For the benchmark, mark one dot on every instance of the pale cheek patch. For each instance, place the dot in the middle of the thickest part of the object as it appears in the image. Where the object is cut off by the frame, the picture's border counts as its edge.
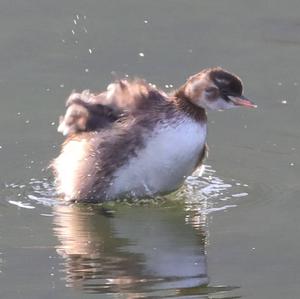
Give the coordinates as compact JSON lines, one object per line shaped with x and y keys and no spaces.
{"x":220,"y":104}
{"x":196,"y":91}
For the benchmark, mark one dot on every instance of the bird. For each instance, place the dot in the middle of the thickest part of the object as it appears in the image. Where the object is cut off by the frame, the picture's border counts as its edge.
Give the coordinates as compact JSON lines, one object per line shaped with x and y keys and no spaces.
{"x":146,"y":142}
{"x":83,"y":114}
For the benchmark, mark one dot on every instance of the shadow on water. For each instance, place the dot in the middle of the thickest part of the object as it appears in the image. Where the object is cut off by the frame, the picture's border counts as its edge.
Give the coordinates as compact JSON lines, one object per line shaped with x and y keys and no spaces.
{"x":153,"y":249}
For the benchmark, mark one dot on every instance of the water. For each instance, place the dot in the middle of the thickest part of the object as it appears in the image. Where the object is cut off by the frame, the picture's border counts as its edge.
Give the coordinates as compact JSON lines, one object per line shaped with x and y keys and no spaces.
{"x":232,"y":233}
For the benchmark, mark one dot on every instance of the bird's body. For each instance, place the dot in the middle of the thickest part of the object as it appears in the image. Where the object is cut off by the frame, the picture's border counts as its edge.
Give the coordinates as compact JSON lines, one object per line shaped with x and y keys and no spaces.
{"x":170,"y":154}
{"x":156,"y":141}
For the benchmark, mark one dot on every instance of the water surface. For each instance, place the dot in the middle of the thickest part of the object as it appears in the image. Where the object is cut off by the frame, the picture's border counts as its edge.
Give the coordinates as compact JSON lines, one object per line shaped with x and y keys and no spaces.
{"x":232,"y":233}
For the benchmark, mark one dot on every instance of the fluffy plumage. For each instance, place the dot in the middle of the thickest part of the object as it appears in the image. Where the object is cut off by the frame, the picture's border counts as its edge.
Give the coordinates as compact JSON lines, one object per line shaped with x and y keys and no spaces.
{"x":142,"y":142}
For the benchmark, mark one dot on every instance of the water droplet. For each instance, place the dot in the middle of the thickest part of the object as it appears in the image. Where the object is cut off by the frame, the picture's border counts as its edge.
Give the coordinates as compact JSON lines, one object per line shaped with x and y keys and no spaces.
{"x":27,"y":121}
{"x":73,"y":32}
{"x":62,"y":85}
{"x":292,"y":164}
{"x":146,"y":21}
{"x":77,"y":17}
{"x":284,"y":102}
{"x":141,"y":54}
{"x":53,"y":123}
{"x":19,"y":113}
{"x":47,"y":215}
{"x":0,"y":147}
{"x":240,"y":194}
{"x":75,"y":22}
{"x":166,"y":86}
{"x":86,"y":70}
{"x":90,"y":51}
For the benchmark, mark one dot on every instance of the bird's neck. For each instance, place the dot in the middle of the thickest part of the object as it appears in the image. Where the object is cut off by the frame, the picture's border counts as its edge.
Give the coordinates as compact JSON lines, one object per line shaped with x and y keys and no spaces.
{"x":185,"y":104}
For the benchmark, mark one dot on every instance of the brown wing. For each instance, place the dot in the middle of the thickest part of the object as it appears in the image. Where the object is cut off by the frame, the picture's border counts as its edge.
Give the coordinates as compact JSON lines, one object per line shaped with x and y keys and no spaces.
{"x":97,"y":111}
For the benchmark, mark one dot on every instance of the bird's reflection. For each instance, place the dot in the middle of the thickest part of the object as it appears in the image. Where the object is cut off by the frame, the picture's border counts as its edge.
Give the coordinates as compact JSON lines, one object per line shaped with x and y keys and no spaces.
{"x":143,"y":251}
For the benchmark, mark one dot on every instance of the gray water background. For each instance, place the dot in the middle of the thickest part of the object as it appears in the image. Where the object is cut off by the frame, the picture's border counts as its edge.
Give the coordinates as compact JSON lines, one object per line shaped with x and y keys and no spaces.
{"x":236,"y":228}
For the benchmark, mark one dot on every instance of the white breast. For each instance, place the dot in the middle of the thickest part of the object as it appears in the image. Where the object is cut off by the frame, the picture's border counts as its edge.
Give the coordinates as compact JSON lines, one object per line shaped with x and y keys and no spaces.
{"x":170,"y":155}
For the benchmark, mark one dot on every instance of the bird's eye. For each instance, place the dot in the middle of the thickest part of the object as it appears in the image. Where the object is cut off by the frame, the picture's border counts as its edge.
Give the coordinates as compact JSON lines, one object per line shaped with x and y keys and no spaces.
{"x":211,"y":92}
{"x":210,"y":89}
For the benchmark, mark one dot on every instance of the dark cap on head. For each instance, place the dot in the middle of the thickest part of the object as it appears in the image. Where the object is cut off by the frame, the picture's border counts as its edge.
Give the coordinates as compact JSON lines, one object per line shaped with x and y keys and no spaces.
{"x":227,"y":83}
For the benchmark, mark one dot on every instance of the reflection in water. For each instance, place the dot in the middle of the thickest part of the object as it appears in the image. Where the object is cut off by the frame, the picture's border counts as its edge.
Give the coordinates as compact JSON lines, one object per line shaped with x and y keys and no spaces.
{"x":154,"y":249}
{"x":136,"y":251}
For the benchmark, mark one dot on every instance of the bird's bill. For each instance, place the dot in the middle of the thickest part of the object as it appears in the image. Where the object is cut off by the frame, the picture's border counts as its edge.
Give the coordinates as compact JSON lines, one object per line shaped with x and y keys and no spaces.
{"x":242,"y":101}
